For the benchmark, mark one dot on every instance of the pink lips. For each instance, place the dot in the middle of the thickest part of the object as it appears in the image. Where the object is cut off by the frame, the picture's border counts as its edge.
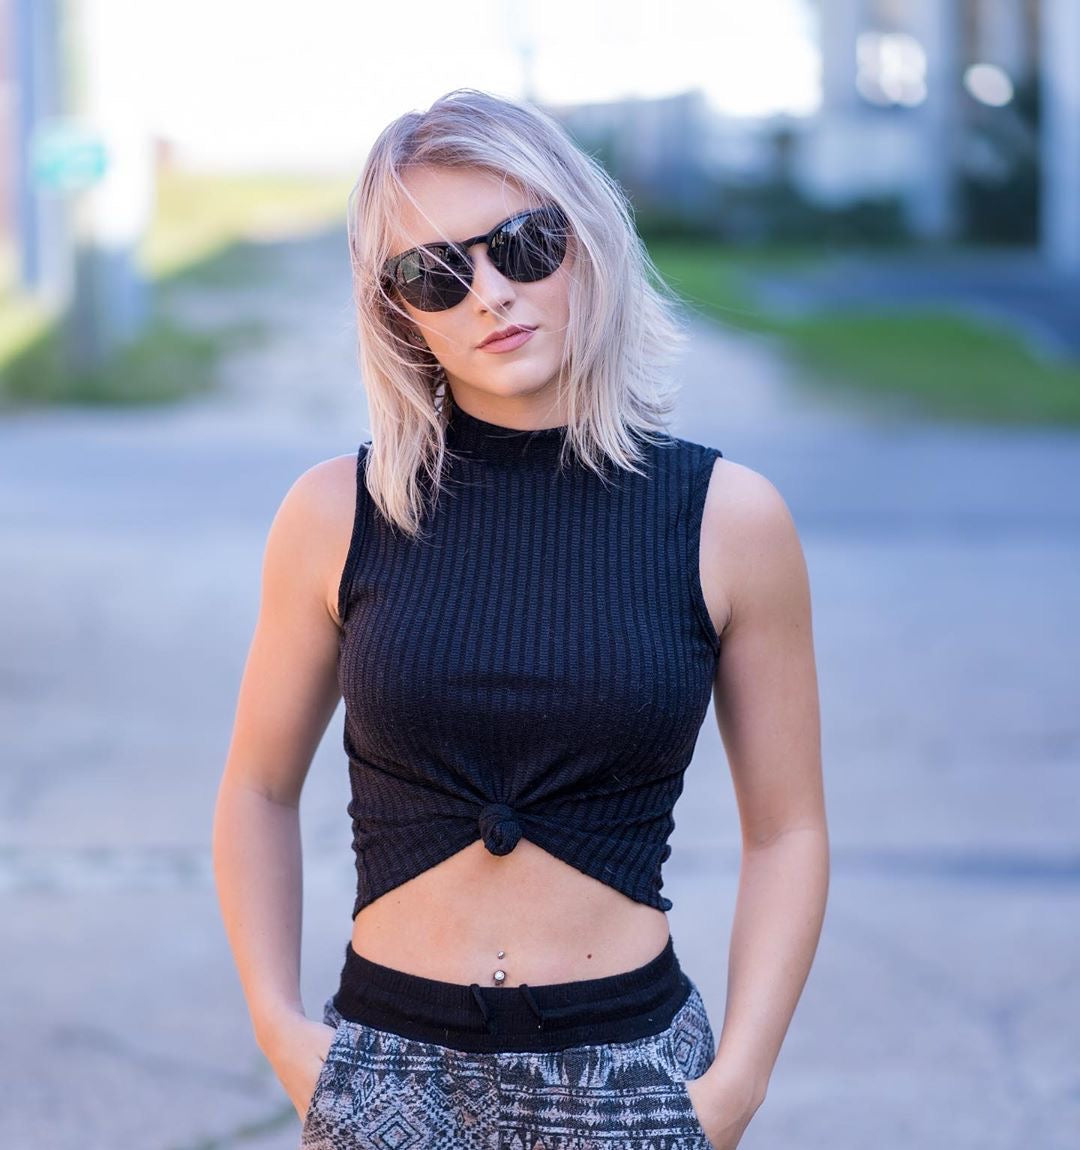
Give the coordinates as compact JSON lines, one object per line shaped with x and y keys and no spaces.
{"x":509,"y":342}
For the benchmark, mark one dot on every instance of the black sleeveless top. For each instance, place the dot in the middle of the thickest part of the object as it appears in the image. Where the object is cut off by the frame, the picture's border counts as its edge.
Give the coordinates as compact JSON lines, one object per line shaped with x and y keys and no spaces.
{"x":537,"y":665}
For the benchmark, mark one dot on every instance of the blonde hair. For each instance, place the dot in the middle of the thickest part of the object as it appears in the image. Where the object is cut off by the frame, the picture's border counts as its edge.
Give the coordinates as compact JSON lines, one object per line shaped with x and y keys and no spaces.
{"x":624,"y":322}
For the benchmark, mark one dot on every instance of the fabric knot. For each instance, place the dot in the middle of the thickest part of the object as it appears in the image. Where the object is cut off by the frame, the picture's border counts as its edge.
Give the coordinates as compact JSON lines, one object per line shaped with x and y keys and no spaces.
{"x":499,"y":828}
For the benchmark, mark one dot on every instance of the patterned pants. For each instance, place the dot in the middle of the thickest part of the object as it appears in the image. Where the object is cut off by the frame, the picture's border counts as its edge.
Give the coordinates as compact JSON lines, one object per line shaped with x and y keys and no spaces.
{"x":381,"y":1091}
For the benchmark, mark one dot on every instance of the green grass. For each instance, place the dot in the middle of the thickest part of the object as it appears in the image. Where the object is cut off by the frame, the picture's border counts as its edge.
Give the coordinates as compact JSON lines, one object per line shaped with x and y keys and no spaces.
{"x":717,"y":281}
{"x":166,"y":363}
{"x":940,"y":363}
{"x":208,"y":232}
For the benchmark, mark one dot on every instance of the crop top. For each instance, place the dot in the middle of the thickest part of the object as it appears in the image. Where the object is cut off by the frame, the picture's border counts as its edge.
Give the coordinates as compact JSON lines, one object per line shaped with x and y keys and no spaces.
{"x":537,"y":664}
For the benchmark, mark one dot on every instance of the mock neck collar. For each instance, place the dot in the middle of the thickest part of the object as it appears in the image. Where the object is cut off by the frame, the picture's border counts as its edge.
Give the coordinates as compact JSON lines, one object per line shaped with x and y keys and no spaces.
{"x":477,"y":439}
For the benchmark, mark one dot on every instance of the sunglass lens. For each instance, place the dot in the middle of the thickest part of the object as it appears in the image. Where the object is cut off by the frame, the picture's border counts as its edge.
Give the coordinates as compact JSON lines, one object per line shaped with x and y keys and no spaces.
{"x":531,"y":248}
{"x":433,"y":279}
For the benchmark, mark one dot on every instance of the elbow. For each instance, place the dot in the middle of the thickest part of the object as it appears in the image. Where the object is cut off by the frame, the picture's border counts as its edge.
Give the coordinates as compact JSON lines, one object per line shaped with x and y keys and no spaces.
{"x":804,"y":829}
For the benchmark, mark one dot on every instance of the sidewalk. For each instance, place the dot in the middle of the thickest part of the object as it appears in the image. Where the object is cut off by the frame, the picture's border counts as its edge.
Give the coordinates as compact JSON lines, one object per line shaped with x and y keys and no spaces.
{"x":943,"y":1010}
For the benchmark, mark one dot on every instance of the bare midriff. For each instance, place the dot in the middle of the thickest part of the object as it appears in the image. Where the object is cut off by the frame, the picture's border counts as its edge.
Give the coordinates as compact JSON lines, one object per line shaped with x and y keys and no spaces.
{"x":552,"y":922}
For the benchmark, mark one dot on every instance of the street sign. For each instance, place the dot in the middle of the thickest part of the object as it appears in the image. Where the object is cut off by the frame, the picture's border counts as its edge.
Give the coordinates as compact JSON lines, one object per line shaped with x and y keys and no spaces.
{"x":66,"y":156}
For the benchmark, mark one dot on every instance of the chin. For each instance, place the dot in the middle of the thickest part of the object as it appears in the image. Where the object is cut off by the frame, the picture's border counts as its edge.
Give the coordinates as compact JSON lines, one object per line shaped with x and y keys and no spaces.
{"x":509,"y":384}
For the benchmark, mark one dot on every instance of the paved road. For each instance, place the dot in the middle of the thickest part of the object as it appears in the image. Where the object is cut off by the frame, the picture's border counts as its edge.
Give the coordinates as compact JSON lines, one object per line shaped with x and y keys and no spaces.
{"x":943,"y":1010}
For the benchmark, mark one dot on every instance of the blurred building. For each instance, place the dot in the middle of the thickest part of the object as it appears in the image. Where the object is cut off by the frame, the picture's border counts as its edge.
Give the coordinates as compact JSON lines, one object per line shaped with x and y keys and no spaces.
{"x":8,"y":111}
{"x":650,"y":143}
{"x":935,"y":98}
{"x":966,"y":112}
{"x":899,"y":80}
{"x":670,"y":134}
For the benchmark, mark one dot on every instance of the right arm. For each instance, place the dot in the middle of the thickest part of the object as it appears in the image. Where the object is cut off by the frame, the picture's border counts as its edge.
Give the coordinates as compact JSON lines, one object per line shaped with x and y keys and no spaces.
{"x":288,"y":694}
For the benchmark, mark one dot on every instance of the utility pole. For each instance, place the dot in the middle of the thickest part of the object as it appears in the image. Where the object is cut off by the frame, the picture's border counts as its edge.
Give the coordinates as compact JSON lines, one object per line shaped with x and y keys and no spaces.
{"x":111,"y":214}
{"x":42,"y":232}
{"x":1060,"y":130}
{"x":937,"y":25}
{"x":85,"y":177}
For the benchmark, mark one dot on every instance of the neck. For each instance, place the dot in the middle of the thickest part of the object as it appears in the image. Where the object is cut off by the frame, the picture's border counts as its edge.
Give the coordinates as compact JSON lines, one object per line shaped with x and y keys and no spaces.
{"x":479,"y":439}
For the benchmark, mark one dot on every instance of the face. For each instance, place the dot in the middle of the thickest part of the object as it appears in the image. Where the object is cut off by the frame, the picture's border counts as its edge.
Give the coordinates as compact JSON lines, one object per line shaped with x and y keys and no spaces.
{"x":517,"y":387}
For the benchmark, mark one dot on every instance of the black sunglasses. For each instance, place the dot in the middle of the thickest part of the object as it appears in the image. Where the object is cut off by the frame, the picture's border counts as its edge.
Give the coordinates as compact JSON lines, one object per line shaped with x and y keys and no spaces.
{"x":527,"y":247}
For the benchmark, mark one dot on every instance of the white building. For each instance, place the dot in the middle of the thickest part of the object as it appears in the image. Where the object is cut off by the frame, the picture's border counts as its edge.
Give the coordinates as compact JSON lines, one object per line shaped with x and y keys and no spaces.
{"x":897,"y":78}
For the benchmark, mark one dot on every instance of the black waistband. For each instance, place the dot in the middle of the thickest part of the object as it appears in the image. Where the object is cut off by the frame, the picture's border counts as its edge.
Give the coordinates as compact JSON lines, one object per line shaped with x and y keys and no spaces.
{"x":551,"y":1016}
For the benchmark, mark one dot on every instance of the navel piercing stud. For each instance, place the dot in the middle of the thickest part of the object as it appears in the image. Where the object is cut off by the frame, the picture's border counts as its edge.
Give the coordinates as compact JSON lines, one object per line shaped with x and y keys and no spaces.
{"x":501,"y":954}
{"x":500,"y":977}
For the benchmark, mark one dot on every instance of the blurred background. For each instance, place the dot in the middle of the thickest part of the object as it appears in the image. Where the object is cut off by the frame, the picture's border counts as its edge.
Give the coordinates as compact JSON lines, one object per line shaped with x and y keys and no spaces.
{"x":871,"y":210}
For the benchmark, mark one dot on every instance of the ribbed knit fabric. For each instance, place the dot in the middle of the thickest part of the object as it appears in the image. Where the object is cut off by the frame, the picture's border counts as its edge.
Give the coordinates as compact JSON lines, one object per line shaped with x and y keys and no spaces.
{"x":538,"y":665}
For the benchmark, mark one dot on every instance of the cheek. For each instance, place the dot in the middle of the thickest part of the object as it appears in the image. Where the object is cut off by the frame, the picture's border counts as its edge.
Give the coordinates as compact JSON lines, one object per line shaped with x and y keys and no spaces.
{"x":446,"y":343}
{"x":427,"y":327}
{"x":558,"y":297}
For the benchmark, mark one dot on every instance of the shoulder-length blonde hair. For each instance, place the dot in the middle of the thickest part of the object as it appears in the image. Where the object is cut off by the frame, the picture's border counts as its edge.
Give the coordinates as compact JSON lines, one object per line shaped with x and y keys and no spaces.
{"x":624,"y":325}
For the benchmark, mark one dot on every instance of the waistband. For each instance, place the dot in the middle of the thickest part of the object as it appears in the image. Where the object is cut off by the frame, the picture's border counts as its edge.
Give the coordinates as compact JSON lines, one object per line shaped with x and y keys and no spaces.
{"x":550,"y":1016}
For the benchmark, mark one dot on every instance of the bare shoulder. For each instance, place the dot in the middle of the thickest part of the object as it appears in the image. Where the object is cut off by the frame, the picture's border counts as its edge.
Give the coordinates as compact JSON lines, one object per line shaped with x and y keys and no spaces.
{"x":328,"y":487}
{"x":317,"y":516}
{"x":750,"y":549}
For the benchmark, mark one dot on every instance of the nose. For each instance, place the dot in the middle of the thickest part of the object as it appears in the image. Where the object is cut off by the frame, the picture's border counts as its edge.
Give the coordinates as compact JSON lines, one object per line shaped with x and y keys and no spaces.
{"x":491,"y":290}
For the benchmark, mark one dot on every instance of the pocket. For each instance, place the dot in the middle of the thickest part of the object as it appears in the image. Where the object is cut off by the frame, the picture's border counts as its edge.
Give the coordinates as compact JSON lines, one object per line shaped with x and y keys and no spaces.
{"x":330,"y":1018}
{"x":692,"y":1116}
{"x":689,"y":1050}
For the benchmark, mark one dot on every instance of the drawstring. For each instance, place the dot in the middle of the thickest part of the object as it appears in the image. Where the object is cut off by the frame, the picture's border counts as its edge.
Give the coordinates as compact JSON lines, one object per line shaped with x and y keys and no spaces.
{"x":475,"y":988}
{"x":526,"y":993}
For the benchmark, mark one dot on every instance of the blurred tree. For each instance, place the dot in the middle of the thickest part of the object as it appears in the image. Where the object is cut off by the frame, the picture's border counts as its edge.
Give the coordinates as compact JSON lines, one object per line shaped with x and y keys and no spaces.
{"x":1000,"y":170}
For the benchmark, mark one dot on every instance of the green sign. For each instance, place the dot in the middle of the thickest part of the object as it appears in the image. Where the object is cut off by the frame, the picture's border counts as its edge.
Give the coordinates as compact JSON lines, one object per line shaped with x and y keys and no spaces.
{"x":66,"y":156}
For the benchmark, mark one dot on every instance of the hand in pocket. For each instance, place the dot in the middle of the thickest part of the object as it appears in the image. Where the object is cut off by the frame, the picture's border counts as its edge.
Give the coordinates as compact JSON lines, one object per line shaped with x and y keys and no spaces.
{"x":299,"y":1059}
{"x":723,"y":1112}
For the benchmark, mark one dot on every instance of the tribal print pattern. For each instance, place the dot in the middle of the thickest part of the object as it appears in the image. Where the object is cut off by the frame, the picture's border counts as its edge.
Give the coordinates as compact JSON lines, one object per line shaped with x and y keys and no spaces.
{"x":380,"y":1091}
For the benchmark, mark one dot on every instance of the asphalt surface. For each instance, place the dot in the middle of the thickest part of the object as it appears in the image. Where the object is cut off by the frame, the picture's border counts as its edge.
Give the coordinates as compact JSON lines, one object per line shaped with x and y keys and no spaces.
{"x":943,"y":1008}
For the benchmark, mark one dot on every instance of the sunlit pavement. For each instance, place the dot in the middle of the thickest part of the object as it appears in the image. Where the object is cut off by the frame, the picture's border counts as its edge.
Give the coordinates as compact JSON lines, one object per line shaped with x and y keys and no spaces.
{"x":943,"y":1009}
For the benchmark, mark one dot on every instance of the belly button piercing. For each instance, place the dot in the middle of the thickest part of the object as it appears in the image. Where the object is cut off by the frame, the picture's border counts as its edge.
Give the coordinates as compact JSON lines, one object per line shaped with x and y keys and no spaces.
{"x":499,"y":977}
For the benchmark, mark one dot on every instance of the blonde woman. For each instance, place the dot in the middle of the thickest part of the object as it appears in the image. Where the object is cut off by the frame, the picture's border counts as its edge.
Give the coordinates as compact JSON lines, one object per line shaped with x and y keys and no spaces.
{"x":527,"y":592}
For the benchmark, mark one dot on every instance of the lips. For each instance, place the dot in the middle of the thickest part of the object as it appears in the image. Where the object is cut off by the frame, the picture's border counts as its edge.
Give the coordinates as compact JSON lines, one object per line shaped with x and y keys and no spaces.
{"x":506,"y":333}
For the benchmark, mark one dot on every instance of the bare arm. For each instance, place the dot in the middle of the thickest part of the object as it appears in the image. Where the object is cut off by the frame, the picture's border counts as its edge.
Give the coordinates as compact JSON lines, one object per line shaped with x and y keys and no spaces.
{"x":287,"y":697}
{"x":766,"y":703}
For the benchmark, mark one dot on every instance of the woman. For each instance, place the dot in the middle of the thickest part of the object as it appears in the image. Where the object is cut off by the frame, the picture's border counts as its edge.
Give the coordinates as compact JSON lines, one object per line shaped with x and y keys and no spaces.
{"x":526,"y":591}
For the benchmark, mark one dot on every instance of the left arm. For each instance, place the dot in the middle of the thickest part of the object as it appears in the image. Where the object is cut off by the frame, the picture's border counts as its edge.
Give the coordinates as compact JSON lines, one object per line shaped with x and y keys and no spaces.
{"x":766,"y":704}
